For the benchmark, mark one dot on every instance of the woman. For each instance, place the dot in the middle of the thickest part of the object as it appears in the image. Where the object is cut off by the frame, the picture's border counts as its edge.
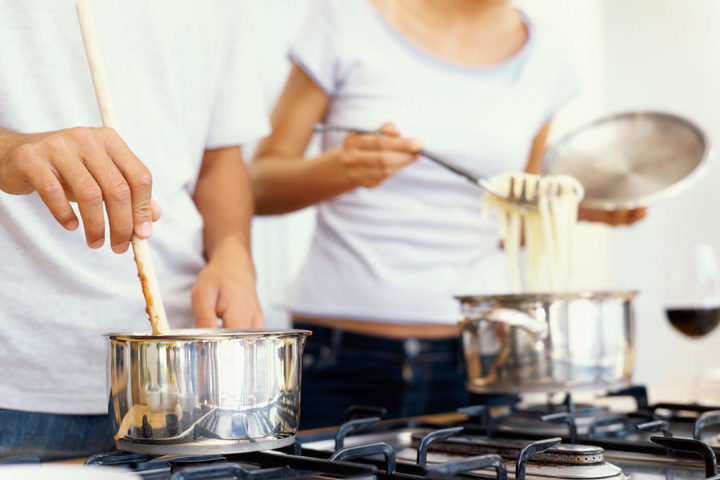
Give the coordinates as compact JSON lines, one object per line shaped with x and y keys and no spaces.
{"x":397,"y":236}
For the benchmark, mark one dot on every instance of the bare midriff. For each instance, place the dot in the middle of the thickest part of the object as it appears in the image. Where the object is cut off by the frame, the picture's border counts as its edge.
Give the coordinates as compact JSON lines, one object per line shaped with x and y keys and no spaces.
{"x":383,"y":329}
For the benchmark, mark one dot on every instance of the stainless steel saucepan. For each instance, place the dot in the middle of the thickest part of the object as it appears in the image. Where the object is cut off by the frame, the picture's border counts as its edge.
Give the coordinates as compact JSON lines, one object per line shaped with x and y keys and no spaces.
{"x":548,"y":342}
{"x":205,"y":391}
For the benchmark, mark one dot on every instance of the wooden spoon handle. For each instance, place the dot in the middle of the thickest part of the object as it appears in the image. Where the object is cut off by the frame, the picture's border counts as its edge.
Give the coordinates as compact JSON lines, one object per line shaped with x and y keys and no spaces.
{"x":143,"y":260}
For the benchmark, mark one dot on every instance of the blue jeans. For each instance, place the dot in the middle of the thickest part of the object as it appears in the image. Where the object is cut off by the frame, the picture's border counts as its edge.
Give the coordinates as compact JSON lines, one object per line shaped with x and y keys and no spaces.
{"x":52,"y":436}
{"x":407,"y":377}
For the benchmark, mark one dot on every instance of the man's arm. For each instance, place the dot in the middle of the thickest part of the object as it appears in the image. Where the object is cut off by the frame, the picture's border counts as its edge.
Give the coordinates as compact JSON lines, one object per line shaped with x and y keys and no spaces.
{"x":225,"y":288}
{"x":92,"y":166}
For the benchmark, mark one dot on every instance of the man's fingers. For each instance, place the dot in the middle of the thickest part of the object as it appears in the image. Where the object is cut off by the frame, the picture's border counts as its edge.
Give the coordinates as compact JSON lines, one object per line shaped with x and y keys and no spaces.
{"x":246,"y":316}
{"x":233,"y":318}
{"x":156,"y":212}
{"x":86,"y":192}
{"x":258,"y":321}
{"x":117,"y":197}
{"x":138,"y":178}
{"x":204,"y":300}
{"x":239,"y":308}
{"x":52,"y":193}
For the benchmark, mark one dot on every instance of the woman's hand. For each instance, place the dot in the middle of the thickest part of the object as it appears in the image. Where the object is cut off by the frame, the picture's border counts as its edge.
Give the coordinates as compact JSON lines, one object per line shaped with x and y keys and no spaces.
{"x":612,"y":217}
{"x":369,"y":159}
{"x":91,"y":166}
{"x":225,"y":289}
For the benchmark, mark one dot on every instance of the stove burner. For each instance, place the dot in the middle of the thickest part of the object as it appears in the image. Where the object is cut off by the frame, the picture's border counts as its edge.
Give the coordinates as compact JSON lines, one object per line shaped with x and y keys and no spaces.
{"x":511,"y":449}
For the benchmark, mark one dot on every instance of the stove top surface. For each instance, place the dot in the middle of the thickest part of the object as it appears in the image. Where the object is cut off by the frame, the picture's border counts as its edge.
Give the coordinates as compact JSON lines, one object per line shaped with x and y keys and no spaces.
{"x":531,"y":441}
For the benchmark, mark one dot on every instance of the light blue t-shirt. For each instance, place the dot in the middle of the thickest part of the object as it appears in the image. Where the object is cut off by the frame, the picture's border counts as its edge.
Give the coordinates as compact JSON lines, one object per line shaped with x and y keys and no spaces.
{"x":401,"y":251}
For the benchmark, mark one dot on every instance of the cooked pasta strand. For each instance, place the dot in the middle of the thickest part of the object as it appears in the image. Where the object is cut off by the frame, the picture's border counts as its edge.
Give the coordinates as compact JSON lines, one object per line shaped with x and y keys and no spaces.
{"x":549,"y":229}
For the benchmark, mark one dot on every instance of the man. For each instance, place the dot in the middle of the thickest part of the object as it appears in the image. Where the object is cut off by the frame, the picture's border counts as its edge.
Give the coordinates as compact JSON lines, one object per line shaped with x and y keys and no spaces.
{"x":185,"y":103}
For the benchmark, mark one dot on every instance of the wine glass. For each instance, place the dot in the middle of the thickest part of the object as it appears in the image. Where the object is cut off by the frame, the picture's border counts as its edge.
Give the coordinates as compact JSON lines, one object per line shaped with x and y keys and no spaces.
{"x":693,"y":300}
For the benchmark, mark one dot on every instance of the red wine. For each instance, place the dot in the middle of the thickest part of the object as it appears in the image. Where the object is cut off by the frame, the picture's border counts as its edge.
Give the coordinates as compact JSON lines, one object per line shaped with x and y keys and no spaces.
{"x":694,"y":321}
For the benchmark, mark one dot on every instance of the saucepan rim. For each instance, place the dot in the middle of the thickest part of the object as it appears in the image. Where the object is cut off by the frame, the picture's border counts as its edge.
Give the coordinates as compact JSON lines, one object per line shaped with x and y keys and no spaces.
{"x":203,"y":334}
{"x":551,"y":297}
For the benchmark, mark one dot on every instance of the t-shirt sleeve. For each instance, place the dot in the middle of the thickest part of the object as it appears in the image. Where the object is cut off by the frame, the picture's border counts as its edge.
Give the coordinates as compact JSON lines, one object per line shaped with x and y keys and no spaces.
{"x":239,"y":114}
{"x":566,"y":83}
{"x":317,"y":47}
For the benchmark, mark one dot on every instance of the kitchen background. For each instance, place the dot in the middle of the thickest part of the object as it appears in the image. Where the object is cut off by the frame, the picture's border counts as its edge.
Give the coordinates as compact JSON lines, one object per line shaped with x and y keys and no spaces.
{"x":631,"y":55}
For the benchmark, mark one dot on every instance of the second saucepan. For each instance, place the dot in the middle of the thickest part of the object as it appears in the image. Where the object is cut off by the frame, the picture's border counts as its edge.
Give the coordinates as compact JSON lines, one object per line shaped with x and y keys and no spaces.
{"x":548,"y":342}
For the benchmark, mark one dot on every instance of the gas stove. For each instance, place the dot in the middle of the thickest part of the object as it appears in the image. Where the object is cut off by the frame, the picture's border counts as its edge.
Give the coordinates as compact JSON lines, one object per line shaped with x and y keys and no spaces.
{"x":563,"y":440}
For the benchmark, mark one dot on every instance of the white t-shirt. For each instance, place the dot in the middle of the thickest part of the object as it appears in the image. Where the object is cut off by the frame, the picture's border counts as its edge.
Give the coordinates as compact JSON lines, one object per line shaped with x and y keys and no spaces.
{"x":181,"y":83}
{"x":401,"y":251}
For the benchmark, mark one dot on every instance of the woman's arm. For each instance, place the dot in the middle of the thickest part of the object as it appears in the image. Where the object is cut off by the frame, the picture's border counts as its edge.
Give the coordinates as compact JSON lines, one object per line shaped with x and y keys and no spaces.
{"x":537,"y":150}
{"x":284,"y":181}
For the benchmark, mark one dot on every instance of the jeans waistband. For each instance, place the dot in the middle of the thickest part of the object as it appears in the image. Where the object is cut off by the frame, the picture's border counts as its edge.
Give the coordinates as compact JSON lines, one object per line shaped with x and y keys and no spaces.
{"x":337,"y":338}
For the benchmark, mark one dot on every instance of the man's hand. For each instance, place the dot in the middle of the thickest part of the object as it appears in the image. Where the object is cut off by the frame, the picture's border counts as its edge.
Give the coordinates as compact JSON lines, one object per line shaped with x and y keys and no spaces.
{"x":90,"y":166}
{"x":225,"y":288}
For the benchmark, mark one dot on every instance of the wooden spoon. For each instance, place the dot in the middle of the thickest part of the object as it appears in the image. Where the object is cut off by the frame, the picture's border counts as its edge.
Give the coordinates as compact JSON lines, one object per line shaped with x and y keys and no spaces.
{"x":146,"y":271}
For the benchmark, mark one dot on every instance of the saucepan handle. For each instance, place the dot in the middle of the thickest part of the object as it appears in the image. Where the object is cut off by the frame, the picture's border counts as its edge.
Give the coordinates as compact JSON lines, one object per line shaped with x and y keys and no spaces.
{"x":508,"y":316}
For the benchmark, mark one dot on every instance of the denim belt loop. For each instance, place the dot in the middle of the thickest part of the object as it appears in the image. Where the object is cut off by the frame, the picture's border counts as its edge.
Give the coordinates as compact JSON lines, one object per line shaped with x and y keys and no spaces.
{"x":412,"y":347}
{"x":411,"y":350}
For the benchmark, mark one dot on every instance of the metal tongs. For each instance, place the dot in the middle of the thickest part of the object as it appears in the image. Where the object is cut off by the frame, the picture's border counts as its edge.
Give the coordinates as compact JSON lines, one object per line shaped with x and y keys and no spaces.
{"x":525,"y":196}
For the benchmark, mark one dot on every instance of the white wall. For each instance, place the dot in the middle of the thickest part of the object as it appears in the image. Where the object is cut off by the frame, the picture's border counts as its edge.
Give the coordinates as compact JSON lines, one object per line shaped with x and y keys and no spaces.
{"x":663,"y":55}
